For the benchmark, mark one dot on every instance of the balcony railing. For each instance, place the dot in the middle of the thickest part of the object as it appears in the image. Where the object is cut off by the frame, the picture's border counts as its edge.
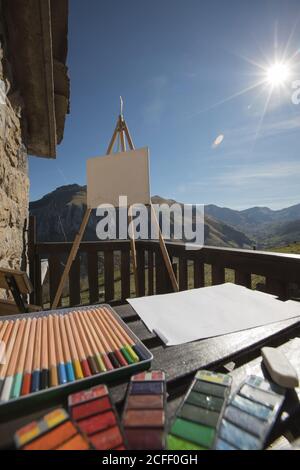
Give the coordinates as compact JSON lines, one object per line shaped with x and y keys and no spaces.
{"x":102,"y":271}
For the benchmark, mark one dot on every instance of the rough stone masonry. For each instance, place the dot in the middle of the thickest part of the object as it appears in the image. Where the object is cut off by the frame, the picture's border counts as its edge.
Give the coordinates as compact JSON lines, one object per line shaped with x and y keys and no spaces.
{"x":14,"y":181}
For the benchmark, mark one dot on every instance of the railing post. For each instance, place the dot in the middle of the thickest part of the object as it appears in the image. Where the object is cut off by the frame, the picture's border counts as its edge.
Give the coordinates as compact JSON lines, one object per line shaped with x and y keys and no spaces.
{"x":109,"y":278}
{"x":125,"y":274}
{"x":243,"y":279}
{"x":34,"y":263}
{"x":141,"y":270}
{"x":199,"y":277}
{"x":217,"y":274}
{"x":277,"y":287}
{"x":183,"y":273}
{"x":150,"y":273}
{"x":74,"y":282}
{"x":92,"y":260}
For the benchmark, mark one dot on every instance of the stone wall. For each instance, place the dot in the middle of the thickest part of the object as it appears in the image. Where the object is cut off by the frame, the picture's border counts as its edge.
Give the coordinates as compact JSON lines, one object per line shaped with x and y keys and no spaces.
{"x":14,"y":181}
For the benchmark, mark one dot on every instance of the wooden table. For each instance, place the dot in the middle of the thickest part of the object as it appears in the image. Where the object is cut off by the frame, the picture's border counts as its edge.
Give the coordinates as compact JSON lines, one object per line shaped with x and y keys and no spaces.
{"x":237,"y":353}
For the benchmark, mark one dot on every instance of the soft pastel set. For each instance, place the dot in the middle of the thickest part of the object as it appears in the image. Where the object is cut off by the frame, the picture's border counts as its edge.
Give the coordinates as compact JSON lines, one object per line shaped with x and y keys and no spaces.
{"x":144,"y":416}
{"x":206,"y":419}
{"x":54,"y":432}
{"x":250,"y":415}
{"x":58,"y":349}
{"x":197,"y":420}
{"x":96,"y":418}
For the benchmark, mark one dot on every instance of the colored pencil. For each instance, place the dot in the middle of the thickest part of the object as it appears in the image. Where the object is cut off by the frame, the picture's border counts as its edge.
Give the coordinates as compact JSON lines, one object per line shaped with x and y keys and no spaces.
{"x":62,"y":375}
{"x":66,"y":350}
{"x":73,"y":350}
{"x":108,"y":345}
{"x":45,"y":373}
{"x":5,"y":340}
{"x":107,"y":356}
{"x":136,"y":349}
{"x":92,"y":338}
{"x":118,"y":339}
{"x":17,"y":384}
{"x":98,"y":340}
{"x":128,"y":341}
{"x":4,"y":326}
{"x":12,"y":366}
{"x":45,"y":351}
{"x":5,"y":393}
{"x":86,"y":346}
{"x":82,"y":357}
{"x":36,"y":369}
{"x":26,"y":385}
{"x":112,"y":340}
{"x":52,"y":354}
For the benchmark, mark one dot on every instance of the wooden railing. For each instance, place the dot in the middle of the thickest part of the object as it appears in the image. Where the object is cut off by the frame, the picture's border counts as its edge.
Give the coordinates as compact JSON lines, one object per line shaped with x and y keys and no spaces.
{"x":102,"y":271}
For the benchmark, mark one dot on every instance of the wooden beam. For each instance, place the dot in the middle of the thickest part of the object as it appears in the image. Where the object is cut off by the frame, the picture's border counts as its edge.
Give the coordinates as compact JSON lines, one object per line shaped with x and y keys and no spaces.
{"x":72,"y":256}
{"x":165,"y":253}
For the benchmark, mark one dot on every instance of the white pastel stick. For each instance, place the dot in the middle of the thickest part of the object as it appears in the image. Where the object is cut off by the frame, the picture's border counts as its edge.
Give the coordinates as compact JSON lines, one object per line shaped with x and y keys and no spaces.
{"x":280,"y":368}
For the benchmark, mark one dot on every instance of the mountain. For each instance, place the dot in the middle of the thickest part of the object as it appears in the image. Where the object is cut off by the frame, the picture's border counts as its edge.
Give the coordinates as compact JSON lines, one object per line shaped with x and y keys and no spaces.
{"x":265,"y":225}
{"x":253,"y":216}
{"x":281,"y":233}
{"x":59,"y":215}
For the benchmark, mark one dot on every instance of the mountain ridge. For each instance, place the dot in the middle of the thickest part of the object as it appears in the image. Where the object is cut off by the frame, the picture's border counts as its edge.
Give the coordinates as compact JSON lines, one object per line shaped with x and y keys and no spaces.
{"x":60,"y":212}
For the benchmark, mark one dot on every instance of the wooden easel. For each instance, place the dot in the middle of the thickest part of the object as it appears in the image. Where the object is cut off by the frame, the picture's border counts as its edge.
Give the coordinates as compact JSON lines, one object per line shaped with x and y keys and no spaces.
{"x":122,"y":131}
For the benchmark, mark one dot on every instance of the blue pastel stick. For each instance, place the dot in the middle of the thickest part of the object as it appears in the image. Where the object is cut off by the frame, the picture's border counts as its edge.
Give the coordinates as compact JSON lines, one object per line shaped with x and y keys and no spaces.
{"x":62,"y":376}
{"x":35,"y":381}
{"x":70,"y":372}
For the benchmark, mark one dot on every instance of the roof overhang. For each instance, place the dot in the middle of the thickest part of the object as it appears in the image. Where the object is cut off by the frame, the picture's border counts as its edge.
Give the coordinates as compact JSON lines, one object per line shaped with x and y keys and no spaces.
{"x":37,"y":33}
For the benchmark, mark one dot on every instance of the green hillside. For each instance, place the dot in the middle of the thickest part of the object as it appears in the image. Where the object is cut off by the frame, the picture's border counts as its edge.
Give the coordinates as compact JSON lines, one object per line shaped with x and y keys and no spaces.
{"x":291,"y":248}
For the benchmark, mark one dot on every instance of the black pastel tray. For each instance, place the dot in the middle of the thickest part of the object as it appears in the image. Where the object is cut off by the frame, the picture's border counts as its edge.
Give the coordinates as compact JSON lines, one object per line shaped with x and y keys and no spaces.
{"x":53,"y":396}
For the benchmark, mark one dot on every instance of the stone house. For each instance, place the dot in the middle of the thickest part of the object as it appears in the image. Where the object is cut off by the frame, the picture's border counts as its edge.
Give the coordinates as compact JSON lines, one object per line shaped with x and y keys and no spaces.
{"x":34,"y":101}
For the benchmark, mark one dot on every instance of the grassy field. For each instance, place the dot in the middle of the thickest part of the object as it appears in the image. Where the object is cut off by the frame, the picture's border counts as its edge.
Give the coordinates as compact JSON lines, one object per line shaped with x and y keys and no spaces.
{"x":292,"y":248}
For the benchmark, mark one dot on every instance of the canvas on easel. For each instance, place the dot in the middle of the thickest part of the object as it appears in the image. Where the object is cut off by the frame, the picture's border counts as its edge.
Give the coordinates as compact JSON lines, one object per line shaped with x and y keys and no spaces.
{"x":115,"y":185}
{"x":123,"y":174}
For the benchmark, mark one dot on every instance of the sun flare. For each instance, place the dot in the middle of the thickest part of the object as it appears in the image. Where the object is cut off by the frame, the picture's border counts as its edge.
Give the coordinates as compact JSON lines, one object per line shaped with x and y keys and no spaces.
{"x":277,"y":74}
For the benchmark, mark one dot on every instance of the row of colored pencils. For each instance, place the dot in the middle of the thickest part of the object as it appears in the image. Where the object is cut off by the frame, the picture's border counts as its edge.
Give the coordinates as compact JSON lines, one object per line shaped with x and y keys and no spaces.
{"x":47,"y":351}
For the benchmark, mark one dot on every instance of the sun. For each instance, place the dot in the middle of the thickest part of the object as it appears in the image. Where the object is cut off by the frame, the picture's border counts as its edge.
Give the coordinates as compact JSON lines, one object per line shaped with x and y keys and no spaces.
{"x":277,"y":74}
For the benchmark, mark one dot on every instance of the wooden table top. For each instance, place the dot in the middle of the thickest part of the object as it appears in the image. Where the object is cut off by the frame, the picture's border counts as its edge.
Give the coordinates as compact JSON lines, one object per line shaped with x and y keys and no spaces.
{"x":237,"y":353}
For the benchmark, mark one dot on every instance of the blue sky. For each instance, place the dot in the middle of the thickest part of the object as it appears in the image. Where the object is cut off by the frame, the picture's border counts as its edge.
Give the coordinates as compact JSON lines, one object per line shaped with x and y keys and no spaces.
{"x":176,"y":63}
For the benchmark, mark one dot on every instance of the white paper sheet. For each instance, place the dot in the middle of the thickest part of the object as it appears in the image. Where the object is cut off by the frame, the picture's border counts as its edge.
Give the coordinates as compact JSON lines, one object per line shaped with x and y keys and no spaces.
{"x":210,"y":311}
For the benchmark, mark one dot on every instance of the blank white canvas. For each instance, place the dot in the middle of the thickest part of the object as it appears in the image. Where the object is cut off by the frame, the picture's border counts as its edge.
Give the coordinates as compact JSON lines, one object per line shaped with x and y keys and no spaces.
{"x":119,"y":174}
{"x":210,"y":311}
